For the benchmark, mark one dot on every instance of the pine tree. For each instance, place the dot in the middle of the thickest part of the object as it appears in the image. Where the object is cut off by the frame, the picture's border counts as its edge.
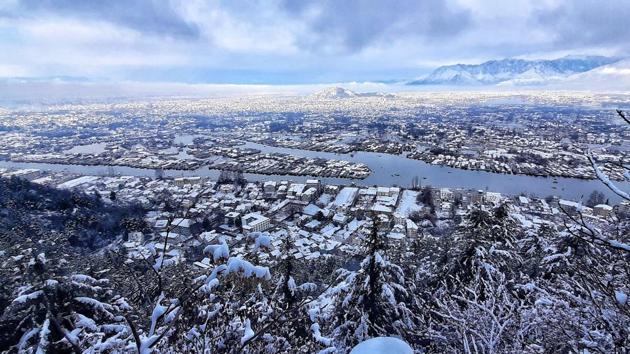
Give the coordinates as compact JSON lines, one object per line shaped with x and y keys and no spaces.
{"x":371,"y":301}
{"x":52,"y":312}
{"x":467,"y":300}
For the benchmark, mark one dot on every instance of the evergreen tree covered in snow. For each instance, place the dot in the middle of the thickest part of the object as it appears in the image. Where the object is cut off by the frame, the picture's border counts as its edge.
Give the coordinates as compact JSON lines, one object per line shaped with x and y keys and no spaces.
{"x":467,"y":302}
{"x":56,"y":312}
{"x":370,"y":301}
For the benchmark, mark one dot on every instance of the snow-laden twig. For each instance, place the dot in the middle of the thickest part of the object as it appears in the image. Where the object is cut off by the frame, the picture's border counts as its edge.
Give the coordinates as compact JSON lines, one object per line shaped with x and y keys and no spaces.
{"x":605,"y":180}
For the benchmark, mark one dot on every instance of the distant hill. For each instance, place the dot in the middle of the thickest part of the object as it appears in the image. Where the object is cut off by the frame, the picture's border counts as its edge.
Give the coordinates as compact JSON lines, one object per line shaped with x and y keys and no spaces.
{"x":333,"y":93}
{"x":513,"y":71}
{"x":615,"y":77}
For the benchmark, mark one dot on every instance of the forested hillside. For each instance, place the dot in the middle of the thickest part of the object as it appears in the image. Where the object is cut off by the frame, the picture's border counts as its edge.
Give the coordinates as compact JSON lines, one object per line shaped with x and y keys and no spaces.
{"x":488,"y":286}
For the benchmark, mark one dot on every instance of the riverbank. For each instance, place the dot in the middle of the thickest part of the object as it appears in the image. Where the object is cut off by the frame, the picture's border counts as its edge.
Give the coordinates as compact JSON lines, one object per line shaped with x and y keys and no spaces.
{"x":386,"y":171}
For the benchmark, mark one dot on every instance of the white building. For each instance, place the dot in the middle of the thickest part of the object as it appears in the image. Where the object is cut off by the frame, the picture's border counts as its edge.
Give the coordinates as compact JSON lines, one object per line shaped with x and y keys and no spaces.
{"x":411,"y":228}
{"x":602,"y":210}
{"x":253,"y":222}
{"x":182,"y":181}
{"x":523,"y":200}
{"x":296,"y":190}
{"x":182,"y":226}
{"x":346,"y":197}
{"x":492,"y":197}
{"x":313,"y":183}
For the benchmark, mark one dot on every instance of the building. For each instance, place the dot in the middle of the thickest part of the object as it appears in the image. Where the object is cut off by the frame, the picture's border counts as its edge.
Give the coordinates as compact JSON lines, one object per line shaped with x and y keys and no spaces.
{"x":340,"y":219}
{"x":411,"y":228}
{"x":254,"y":222}
{"x":270,"y":187}
{"x":346,"y":197}
{"x":182,"y":226}
{"x":492,"y":197}
{"x":477,"y":197}
{"x":313,"y":183}
{"x":230,"y":218}
{"x":569,"y":206}
{"x":524,"y":201}
{"x":182,"y":181}
{"x":295,"y":191}
{"x":387,"y":191}
{"x":160,"y":224}
{"x":382,"y":191}
{"x":446,"y":195}
{"x":309,"y":195}
{"x":381,"y":209}
{"x":602,"y":210}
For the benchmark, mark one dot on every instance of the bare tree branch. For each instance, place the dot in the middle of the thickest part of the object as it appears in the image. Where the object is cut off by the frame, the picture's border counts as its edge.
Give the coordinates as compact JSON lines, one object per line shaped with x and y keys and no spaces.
{"x":623,"y":116}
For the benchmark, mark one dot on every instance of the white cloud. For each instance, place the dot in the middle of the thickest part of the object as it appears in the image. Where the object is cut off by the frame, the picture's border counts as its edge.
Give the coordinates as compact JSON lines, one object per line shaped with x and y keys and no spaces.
{"x":13,"y":71}
{"x":310,"y":40}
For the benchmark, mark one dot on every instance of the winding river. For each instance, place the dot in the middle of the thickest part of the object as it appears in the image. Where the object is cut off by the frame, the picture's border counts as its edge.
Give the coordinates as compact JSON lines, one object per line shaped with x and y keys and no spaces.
{"x":386,"y":169}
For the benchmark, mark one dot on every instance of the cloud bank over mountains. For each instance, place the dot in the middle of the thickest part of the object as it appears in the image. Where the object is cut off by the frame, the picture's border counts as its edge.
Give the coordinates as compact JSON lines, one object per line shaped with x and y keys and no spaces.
{"x":292,"y":41}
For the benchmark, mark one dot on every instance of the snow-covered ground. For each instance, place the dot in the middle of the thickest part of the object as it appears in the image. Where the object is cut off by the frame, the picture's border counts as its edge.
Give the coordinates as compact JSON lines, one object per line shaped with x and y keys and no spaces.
{"x":382,"y":345}
{"x":408,"y":203}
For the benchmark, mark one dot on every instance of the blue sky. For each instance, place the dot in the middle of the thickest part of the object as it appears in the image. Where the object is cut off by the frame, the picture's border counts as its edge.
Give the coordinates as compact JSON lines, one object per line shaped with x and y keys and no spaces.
{"x":294,"y":41}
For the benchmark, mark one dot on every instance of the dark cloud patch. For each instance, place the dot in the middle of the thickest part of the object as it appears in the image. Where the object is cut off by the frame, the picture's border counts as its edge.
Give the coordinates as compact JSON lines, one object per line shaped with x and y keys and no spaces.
{"x":355,"y":24}
{"x":147,"y":16}
{"x":587,"y":23}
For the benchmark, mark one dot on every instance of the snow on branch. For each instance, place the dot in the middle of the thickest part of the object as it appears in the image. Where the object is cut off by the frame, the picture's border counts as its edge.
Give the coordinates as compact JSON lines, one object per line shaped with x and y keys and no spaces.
{"x":240,"y":265}
{"x":96,"y":305}
{"x":218,"y":251}
{"x":31,"y":296}
{"x":602,"y":177}
{"x":248,"y":332}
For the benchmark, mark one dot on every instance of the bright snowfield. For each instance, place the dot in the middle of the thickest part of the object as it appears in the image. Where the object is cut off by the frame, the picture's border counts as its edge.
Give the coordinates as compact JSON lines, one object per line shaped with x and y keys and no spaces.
{"x":382,"y":345}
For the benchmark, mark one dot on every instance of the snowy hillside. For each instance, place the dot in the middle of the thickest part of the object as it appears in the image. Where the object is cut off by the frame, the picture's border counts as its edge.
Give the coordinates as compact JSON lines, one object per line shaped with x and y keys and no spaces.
{"x":333,"y":93}
{"x":513,"y":71}
{"x":615,"y":76}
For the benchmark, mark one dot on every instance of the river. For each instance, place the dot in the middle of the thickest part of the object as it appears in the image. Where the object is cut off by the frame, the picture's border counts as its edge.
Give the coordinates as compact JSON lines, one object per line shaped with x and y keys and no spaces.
{"x":387,"y":170}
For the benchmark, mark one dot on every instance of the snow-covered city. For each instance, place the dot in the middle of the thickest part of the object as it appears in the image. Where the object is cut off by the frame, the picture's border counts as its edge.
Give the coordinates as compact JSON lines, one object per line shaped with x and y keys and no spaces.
{"x":324,"y":177}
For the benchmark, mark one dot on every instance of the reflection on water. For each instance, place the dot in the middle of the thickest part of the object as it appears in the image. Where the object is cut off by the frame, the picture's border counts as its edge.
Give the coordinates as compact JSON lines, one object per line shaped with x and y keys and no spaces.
{"x":386,"y":170}
{"x":399,"y":170}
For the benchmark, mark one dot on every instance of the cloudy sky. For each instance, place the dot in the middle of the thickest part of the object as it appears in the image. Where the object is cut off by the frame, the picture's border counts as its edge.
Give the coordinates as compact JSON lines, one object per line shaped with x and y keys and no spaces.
{"x":294,"y":41}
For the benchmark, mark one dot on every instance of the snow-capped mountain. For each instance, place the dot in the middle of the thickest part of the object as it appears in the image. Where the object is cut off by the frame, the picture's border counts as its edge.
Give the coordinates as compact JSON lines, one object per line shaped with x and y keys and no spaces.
{"x":332,"y":93}
{"x":612,"y":77}
{"x":513,"y":71}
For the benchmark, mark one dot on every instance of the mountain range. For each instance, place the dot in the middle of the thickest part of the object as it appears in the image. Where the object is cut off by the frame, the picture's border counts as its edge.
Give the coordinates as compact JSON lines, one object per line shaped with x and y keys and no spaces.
{"x":515,"y":72}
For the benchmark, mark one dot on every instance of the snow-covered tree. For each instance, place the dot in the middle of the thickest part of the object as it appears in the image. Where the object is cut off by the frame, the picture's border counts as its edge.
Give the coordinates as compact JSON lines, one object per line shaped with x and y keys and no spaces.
{"x":485,"y":242}
{"x":370,"y":301}
{"x":54,"y":312}
{"x":580,"y":302}
{"x":466,"y":292}
{"x":482,"y":316}
{"x":220,"y":309}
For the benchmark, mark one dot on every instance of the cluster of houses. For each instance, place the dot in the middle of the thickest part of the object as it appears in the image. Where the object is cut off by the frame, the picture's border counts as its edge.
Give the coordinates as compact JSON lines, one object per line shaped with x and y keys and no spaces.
{"x":187,"y":214}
